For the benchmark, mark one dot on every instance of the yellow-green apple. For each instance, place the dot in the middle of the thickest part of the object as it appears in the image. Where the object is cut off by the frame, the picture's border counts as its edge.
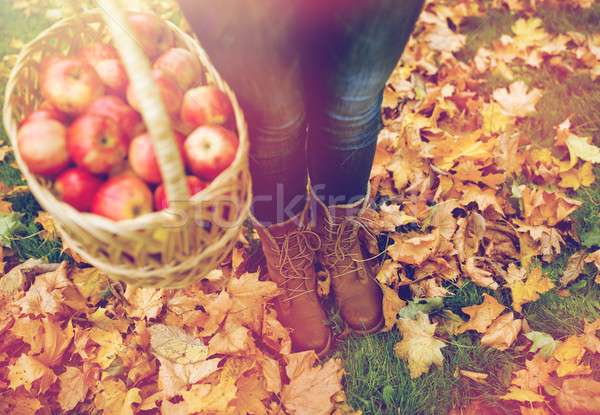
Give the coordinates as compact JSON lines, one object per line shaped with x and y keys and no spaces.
{"x":113,"y":75}
{"x":181,"y":65}
{"x":206,"y":104}
{"x":77,"y":187}
{"x":46,"y":111}
{"x":116,"y":109}
{"x":43,"y":146}
{"x":195,"y":185}
{"x":142,"y":157}
{"x":209,"y":150}
{"x":170,"y":92}
{"x":71,"y":85}
{"x":97,"y":52}
{"x":152,"y":33}
{"x":122,"y":197}
{"x":96,"y":143}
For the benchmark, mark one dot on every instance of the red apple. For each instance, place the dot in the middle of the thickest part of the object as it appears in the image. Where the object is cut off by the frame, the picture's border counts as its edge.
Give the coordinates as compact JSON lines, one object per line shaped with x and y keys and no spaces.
{"x":77,"y":187}
{"x":96,"y":143}
{"x":195,"y":185}
{"x":206,"y":105}
{"x":46,"y":63}
{"x":113,"y":75}
{"x":43,"y":146}
{"x":122,"y":197}
{"x":209,"y":150}
{"x":142,"y":157}
{"x":46,"y":111}
{"x":116,"y":109}
{"x":71,"y":85}
{"x":170,"y":93}
{"x":181,"y":65}
{"x":96,"y":52}
{"x":152,"y":33}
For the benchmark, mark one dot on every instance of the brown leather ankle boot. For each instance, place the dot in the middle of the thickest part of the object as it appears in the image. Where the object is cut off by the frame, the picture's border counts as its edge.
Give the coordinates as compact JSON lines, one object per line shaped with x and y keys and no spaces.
{"x":289,"y":248}
{"x":356,"y":291}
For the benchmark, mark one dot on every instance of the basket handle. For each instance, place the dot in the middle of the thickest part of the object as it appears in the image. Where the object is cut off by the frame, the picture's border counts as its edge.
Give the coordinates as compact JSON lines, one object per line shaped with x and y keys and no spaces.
{"x":152,"y":107}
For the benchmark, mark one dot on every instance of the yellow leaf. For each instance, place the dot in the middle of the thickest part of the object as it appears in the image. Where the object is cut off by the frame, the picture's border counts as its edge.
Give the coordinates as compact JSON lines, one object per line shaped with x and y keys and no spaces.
{"x":528,"y":291}
{"x":117,"y":399}
{"x":391,"y":305}
{"x":418,"y":345}
{"x":522,"y":395}
{"x":110,"y":343}
{"x":569,"y":353}
{"x":482,"y":315}
{"x":528,"y":32}
{"x":414,"y":250}
{"x":574,"y":178}
{"x":495,"y":119}
{"x":579,"y":147}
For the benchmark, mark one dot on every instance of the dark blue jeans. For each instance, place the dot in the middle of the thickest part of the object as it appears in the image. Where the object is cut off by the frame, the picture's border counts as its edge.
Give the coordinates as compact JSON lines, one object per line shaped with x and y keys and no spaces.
{"x":309,"y":75}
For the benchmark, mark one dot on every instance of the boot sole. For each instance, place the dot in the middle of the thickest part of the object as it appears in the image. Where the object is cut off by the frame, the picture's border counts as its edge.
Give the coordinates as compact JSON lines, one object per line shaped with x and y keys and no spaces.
{"x":326,"y":349}
{"x":372,"y":330}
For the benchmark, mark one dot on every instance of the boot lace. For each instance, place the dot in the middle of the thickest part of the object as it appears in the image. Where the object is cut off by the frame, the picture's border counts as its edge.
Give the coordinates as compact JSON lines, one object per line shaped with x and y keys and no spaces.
{"x":295,"y":251}
{"x":338,"y":242}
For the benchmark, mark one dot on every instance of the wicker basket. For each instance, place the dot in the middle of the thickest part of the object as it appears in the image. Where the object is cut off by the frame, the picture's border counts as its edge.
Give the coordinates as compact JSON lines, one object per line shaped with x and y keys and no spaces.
{"x":171,"y":248}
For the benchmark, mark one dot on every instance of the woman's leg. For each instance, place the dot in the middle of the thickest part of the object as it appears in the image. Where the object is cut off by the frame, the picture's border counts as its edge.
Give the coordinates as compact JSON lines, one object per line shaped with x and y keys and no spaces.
{"x":252,"y":45}
{"x":354,"y":48}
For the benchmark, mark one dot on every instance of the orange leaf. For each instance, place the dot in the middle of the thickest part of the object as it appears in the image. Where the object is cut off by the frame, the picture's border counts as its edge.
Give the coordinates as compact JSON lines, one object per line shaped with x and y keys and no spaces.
{"x":116,"y":399}
{"x":482,"y":315}
{"x":592,"y":342}
{"x":515,"y":100}
{"x":73,"y":388}
{"x":26,"y":370}
{"x":310,"y":388}
{"x":569,"y":353}
{"x":250,"y":392}
{"x":145,"y":302}
{"x":391,"y":305}
{"x":232,"y":339}
{"x":502,"y":332}
{"x":528,"y":291}
{"x":537,"y":373}
{"x":414,"y":250}
{"x":173,"y":378}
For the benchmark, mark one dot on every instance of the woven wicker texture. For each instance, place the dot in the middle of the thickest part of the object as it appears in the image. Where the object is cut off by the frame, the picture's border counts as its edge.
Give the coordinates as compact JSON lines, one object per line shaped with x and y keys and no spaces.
{"x":171,"y":248}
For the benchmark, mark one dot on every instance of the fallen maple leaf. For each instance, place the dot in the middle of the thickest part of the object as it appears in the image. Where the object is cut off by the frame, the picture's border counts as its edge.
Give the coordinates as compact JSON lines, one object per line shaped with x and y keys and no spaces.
{"x":574,"y":267}
{"x":592,"y":342}
{"x":502,"y":332}
{"x":116,"y":399}
{"x":391,"y":305}
{"x":414,"y":250}
{"x":174,"y":344}
{"x":310,"y":388}
{"x":579,"y":147}
{"x":574,"y":178}
{"x":522,"y":395}
{"x":418,"y":345}
{"x":579,"y":396}
{"x":530,"y":290}
{"x":482,"y":315}
{"x":74,"y":387}
{"x":145,"y":302}
{"x":528,"y":32}
{"x":515,"y":100}
{"x":27,"y":370}
{"x":173,"y":378}
{"x":536,"y":374}
{"x":569,"y":353}
{"x":543,"y":342}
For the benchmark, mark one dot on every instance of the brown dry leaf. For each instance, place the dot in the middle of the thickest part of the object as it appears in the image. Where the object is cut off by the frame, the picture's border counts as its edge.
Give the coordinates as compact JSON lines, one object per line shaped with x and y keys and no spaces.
{"x":144,"y":302}
{"x":54,"y":342}
{"x":74,"y":386}
{"x":515,"y":100}
{"x":418,"y":345}
{"x":310,"y":388}
{"x":502,"y":332}
{"x":479,"y":276}
{"x":536,"y":375}
{"x":579,"y":396}
{"x":482,"y":315}
{"x":528,"y":291}
{"x":248,"y":298}
{"x":231,"y":339}
{"x":574,"y":267}
{"x":414,"y":250}
{"x":274,"y":334}
{"x":593,"y":257}
{"x":443,"y":219}
{"x":541,"y":207}
{"x":569,"y":353}
{"x":250,"y":394}
{"x":476,"y":376}
{"x":174,"y":377}
{"x":592,"y":342}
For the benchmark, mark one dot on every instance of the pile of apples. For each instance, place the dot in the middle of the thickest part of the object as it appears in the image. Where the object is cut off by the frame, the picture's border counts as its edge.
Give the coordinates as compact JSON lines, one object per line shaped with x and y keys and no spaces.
{"x":89,"y":138}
